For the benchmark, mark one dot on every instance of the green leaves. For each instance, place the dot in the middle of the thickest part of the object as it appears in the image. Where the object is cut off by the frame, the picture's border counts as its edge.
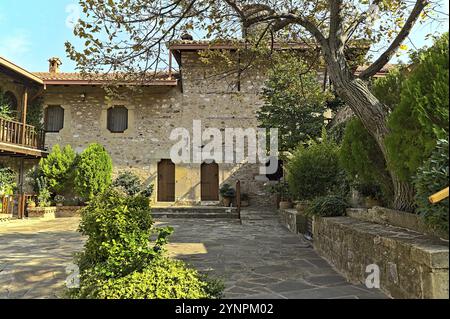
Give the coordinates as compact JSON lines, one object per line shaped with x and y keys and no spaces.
{"x":432,"y":177}
{"x":422,"y":113}
{"x":58,"y":168}
{"x":314,"y":171}
{"x":94,"y":171}
{"x":294,"y":101}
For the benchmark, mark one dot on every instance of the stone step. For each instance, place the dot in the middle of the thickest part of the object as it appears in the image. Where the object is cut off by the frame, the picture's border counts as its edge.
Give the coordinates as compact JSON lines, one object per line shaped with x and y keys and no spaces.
{"x":195,"y":212}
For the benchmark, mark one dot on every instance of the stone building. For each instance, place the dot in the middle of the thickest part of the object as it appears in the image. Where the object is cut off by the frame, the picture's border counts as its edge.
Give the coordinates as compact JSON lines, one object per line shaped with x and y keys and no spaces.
{"x":134,"y":125}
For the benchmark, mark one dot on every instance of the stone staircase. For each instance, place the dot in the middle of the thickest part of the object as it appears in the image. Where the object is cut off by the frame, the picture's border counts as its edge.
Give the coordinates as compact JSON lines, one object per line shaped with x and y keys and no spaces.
{"x":195,"y":212}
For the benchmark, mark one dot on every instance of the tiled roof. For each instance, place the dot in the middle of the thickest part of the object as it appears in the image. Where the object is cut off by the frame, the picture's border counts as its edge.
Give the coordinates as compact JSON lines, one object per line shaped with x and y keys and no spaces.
{"x":161,"y":78}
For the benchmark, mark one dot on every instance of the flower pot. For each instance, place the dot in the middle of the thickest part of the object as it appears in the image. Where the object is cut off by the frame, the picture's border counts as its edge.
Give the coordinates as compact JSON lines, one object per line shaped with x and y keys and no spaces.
{"x":227,"y":201}
{"x":301,"y":206}
{"x":285,"y":204}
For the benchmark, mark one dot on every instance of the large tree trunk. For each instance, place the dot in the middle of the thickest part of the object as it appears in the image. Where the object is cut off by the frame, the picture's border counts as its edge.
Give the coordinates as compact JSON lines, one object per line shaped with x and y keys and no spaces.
{"x":373,"y":114}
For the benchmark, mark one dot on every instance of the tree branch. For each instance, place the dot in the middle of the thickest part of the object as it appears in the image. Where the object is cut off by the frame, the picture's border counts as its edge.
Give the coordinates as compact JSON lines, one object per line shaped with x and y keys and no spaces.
{"x":401,"y":36}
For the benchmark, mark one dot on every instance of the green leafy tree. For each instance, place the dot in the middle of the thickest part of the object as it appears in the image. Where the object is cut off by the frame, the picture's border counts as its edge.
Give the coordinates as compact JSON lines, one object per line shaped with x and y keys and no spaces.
{"x":58,"y":168}
{"x":294,"y":102}
{"x":422,"y":114}
{"x":93,"y":172}
{"x":432,"y":177}
{"x":361,"y":158}
{"x":314,"y":170}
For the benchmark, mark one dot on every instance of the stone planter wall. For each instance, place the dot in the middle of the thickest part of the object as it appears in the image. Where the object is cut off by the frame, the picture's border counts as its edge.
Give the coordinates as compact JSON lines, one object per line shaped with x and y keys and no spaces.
{"x":42,"y":212}
{"x":381,"y":215}
{"x":295,"y":221}
{"x":68,"y":211}
{"x":411,"y":264}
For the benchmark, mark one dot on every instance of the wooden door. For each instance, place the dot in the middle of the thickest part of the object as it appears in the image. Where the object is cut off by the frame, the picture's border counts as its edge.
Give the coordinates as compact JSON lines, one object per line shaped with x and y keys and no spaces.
{"x":166,"y":181}
{"x":210,"y":182}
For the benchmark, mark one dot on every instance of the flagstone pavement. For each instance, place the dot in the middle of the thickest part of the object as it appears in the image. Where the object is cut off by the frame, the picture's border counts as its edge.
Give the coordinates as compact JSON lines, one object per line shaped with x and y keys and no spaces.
{"x":256,"y":259}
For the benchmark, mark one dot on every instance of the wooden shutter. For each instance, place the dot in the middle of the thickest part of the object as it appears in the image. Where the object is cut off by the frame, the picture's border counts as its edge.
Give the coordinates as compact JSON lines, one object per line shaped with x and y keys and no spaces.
{"x":118,"y":119}
{"x":54,"y":118}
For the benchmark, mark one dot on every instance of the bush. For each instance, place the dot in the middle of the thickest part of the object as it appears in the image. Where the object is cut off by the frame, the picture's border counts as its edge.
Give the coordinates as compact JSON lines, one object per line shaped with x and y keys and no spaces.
{"x":164,"y":278}
{"x":131,"y":184}
{"x":313,"y":171}
{"x":227,"y":191}
{"x":432,"y":177}
{"x":124,"y":257}
{"x":327,"y":206}
{"x":361,"y":158}
{"x":93,"y":171}
{"x":422,"y":114}
{"x":119,"y":228}
{"x":58,"y":168}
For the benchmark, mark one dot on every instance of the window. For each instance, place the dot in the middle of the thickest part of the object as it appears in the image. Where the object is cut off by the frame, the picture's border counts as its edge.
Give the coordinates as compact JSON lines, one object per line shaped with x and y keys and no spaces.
{"x":117,"y":119}
{"x":54,"y":118}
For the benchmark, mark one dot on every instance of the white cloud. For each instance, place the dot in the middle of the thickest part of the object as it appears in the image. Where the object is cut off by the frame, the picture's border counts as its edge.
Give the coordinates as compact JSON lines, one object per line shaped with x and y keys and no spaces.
{"x":15,"y":44}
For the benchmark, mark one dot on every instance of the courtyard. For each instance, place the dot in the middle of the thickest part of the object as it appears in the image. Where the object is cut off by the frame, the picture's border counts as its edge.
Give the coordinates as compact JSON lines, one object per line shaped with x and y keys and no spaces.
{"x":258,"y":259}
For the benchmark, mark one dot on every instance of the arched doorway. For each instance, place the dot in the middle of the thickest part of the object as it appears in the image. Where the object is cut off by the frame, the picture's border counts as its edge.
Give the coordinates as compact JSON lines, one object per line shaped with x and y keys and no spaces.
{"x":10,"y":99}
{"x":166,"y":181}
{"x":209,"y":182}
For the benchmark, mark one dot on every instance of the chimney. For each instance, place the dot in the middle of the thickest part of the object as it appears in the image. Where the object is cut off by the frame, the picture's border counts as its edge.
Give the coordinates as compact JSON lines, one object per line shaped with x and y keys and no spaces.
{"x":186,"y":36}
{"x":54,"y":64}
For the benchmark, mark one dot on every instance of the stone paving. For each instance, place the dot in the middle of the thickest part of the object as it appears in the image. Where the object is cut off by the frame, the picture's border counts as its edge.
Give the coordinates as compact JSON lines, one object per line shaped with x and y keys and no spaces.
{"x":258,"y":259}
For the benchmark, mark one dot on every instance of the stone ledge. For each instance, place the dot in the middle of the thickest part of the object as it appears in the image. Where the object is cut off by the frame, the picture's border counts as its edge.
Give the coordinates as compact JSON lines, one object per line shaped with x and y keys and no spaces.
{"x":412,"y":265}
{"x":68,"y":211}
{"x":42,"y":212}
{"x":381,"y":215}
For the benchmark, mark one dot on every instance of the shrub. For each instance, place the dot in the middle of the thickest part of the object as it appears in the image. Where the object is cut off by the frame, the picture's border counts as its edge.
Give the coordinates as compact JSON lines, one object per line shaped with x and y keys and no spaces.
{"x":432,"y":177}
{"x":93,"y":171}
{"x":227,"y":191}
{"x":118,"y":229}
{"x":422,"y":114}
{"x":327,"y":206}
{"x":123,"y":256}
{"x":361,"y":158}
{"x":58,"y":167}
{"x":281,"y":189}
{"x":313,"y":171}
{"x":131,"y":184}
{"x":164,"y":278}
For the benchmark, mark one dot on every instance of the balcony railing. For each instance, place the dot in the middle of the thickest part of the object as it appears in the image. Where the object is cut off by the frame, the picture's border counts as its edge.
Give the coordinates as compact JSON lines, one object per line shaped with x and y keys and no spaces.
{"x":16,"y":133}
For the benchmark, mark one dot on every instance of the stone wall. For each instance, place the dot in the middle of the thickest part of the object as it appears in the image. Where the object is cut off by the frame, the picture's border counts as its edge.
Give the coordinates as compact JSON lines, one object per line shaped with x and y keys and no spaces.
{"x":412,"y":265}
{"x":153,"y":113}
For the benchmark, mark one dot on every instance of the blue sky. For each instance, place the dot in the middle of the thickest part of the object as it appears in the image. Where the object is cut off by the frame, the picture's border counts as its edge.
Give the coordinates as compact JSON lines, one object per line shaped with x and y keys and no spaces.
{"x":33,"y":31}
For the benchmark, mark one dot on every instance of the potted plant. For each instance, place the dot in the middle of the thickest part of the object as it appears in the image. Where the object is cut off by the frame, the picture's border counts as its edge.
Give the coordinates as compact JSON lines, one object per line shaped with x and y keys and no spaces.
{"x":245,"y":200}
{"x":31,"y":203}
{"x":228,"y":193}
{"x":44,"y":198}
{"x":281,"y":189}
{"x":59,"y":200}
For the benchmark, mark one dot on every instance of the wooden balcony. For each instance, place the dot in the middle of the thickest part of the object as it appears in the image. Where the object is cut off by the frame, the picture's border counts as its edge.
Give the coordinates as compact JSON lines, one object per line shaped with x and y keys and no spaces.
{"x":17,"y":139}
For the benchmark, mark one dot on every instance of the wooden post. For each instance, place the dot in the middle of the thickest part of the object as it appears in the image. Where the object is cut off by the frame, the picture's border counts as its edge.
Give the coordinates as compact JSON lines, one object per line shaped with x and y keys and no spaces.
{"x":21,"y":204}
{"x":24,"y":115}
{"x":238,"y":198}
